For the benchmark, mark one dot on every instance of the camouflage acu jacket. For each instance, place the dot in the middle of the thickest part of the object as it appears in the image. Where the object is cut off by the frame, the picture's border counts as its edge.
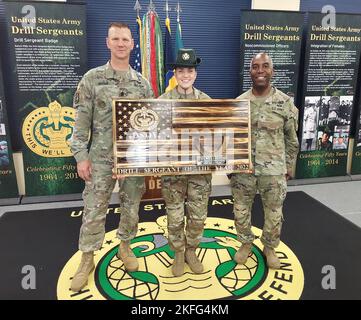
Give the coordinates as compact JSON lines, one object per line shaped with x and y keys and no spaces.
{"x":93,"y":104}
{"x":273,"y":129}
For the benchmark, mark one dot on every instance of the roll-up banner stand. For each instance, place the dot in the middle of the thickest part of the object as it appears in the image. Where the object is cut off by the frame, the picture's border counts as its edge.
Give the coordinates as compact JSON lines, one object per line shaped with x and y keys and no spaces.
{"x":8,"y":186}
{"x":356,"y":152}
{"x":48,"y":57}
{"x":331,"y":68}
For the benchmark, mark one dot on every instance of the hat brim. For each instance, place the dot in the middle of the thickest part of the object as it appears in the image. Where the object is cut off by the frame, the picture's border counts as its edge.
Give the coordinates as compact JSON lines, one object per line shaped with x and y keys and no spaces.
{"x":185,"y":65}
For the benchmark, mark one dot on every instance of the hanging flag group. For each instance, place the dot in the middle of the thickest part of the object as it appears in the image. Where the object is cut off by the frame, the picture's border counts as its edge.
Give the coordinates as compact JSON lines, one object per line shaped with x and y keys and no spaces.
{"x":149,"y":57}
{"x":152,"y":52}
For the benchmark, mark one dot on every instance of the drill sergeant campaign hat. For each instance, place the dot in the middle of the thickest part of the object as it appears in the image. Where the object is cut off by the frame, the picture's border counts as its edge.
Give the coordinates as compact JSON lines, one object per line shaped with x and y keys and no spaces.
{"x":186,"y":58}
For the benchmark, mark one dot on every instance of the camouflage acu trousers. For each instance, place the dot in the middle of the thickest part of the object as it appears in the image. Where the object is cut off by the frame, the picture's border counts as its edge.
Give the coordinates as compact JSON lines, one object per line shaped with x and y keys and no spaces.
{"x":96,"y":198}
{"x":273,"y":191}
{"x":175,"y":189}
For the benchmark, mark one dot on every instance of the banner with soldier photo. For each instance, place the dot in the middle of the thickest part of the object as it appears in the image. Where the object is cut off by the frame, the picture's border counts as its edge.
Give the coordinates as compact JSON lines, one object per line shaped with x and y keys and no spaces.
{"x":279,"y":33}
{"x":8,"y":185}
{"x":331,"y":67}
{"x":47,"y":58}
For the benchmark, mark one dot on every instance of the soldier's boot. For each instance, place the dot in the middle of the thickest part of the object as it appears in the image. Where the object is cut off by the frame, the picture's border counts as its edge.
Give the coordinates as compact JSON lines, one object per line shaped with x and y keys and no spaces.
{"x":272,"y":260}
{"x":178,"y":264}
{"x":242,"y":254}
{"x":193,"y":262}
{"x":126,"y":254}
{"x":80,"y":279}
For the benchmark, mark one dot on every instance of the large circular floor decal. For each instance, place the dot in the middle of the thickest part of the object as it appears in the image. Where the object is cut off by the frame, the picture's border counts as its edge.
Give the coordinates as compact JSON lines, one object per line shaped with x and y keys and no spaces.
{"x":222,"y":277}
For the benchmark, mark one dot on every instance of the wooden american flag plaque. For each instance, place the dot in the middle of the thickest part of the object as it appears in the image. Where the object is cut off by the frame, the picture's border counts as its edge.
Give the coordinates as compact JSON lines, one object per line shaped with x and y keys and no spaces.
{"x":171,"y":137}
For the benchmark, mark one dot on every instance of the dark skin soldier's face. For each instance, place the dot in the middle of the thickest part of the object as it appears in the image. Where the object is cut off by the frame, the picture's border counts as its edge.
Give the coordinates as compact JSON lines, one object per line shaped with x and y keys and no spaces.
{"x":261,"y":72}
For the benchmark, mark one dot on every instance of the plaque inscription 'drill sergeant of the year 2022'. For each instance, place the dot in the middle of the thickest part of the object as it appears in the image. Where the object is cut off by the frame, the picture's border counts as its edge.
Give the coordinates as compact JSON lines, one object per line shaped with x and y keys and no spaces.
{"x":169,"y":137}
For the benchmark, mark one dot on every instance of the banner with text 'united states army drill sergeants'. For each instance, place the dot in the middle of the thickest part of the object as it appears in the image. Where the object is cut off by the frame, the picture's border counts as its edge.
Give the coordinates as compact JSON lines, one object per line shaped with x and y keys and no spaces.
{"x":47,"y":51}
{"x":8,"y":185}
{"x":331,"y":67}
{"x":279,"y":33}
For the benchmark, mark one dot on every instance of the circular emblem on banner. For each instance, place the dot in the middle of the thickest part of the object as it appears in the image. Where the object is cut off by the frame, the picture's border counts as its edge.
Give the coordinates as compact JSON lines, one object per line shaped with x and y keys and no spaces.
{"x":185,"y":56}
{"x":222,"y":277}
{"x":144,"y":119}
{"x":47,"y":130}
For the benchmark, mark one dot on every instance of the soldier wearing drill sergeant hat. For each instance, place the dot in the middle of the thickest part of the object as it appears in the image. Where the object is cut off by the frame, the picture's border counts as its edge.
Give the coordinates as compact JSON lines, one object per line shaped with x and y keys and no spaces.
{"x":274,"y":145}
{"x":185,"y":229}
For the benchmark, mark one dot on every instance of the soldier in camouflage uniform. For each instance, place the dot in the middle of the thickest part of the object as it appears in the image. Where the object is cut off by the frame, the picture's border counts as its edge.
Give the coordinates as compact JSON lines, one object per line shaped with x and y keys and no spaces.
{"x":196,"y":187}
{"x":93,"y":104}
{"x":274,"y":143}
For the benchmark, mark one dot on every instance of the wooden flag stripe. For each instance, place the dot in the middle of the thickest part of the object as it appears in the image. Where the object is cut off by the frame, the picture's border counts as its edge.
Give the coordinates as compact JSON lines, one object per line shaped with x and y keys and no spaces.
{"x":226,"y":130}
{"x":237,"y":138}
{"x":143,"y":163}
{"x":206,"y":106}
{"x":209,"y":109}
{"x":184,"y":146}
{"x":200,"y":126}
{"x":236,"y":121}
{"x":224,"y":115}
{"x":171,"y":158}
{"x":179,"y":152}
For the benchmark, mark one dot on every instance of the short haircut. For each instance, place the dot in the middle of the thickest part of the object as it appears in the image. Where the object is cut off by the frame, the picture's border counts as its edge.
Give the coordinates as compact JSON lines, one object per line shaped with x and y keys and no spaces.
{"x":119,"y":25}
{"x":261,"y":54}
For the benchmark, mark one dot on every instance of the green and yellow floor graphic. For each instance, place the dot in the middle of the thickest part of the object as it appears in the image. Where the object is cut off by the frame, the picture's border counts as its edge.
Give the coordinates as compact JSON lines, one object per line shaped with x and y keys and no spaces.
{"x":221,"y":279}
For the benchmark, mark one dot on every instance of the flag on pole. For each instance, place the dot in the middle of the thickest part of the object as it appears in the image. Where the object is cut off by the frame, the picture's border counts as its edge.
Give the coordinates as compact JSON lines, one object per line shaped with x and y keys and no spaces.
{"x":137,"y":65}
{"x":170,"y":81}
{"x":178,"y":39}
{"x":152,"y":52}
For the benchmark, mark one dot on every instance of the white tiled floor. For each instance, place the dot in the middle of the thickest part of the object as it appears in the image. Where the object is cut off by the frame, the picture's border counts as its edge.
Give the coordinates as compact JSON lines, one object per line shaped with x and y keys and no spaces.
{"x":342,"y":197}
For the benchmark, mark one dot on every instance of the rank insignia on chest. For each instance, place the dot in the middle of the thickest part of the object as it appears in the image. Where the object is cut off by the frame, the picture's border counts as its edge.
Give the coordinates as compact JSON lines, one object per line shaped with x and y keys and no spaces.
{"x":277,"y":107}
